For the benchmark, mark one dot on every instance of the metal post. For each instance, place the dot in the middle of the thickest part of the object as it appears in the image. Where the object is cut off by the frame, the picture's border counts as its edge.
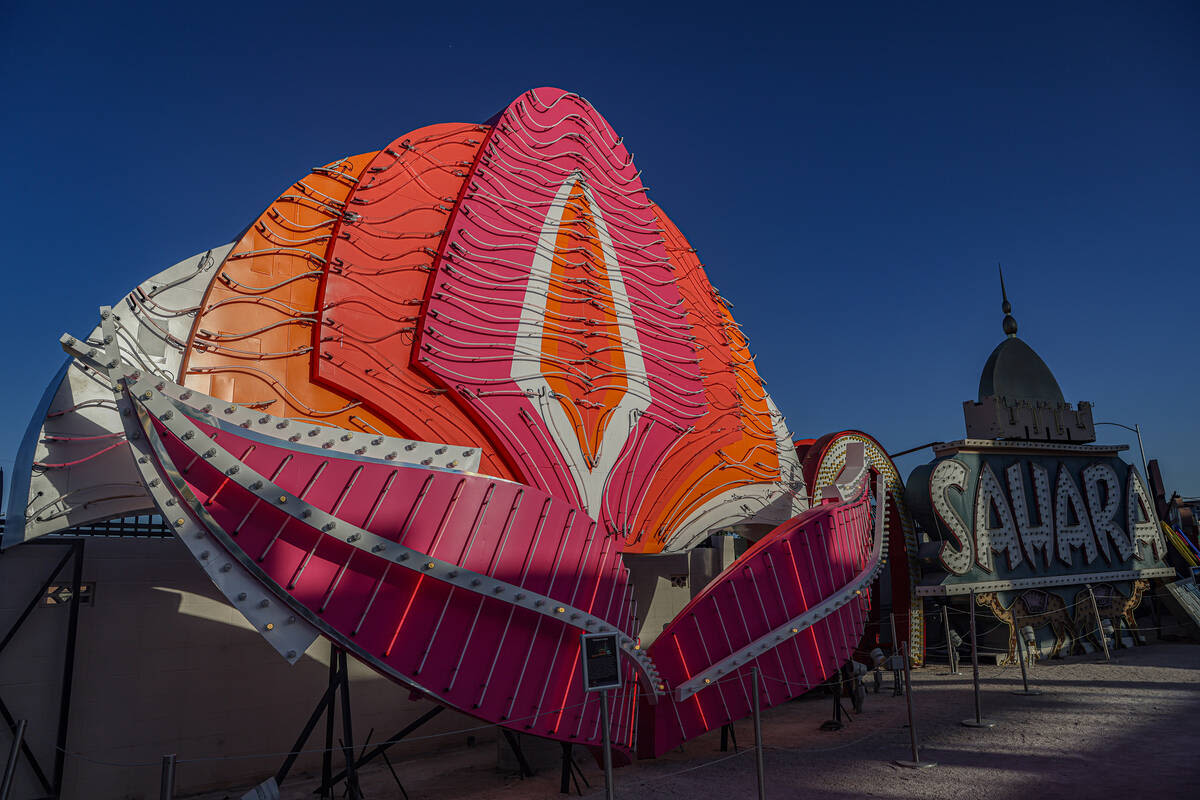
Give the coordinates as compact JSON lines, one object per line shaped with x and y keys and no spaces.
{"x":916,"y":762}
{"x":327,"y":756}
{"x":1145,"y":472}
{"x":1137,"y":428}
{"x":64,"y":702}
{"x":14,"y":753}
{"x":896,"y":684}
{"x":758,"y":743}
{"x":167,"y":787}
{"x":1099,"y":626}
{"x":564,"y":786}
{"x":352,"y":788}
{"x":608,"y":778}
{"x":1022,"y":653}
{"x":979,"y":721}
{"x":951,"y":650}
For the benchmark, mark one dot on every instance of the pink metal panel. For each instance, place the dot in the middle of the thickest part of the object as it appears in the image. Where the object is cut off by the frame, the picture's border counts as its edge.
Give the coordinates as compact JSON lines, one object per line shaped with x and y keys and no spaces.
{"x":786,"y":573}
{"x":498,"y":307}
{"x":457,"y":645}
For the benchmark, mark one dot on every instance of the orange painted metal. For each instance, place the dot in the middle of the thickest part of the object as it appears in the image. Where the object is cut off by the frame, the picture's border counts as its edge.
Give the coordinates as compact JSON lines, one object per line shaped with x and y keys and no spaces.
{"x":734,"y":444}
{"x":380,"y":266}
{"x":591,"y":392}
{"x":252,"y":342}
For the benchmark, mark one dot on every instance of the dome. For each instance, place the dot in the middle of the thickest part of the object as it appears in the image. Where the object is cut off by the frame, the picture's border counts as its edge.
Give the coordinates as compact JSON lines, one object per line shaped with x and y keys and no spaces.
{"x":1016,"y":372}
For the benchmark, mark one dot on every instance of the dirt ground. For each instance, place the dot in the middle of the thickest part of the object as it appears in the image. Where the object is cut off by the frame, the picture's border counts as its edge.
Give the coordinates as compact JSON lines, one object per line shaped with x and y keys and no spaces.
{"x":1129,"y":727}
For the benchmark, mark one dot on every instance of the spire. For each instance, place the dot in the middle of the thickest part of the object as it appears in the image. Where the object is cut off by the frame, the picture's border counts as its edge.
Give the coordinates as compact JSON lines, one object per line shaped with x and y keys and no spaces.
{"x":1010,"y":324}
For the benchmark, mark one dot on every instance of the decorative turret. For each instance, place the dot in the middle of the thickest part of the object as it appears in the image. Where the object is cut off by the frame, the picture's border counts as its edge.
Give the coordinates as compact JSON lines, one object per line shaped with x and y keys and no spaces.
{"x":1019,"y":397}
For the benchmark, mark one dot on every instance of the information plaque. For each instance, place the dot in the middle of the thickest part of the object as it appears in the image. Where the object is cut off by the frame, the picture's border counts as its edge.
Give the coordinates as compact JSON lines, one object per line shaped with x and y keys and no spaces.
{"x":601,"y":661}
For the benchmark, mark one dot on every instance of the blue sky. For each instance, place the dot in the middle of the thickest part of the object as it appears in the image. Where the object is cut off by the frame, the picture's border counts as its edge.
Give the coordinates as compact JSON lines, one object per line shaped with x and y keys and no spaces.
{"x":850,"y":173}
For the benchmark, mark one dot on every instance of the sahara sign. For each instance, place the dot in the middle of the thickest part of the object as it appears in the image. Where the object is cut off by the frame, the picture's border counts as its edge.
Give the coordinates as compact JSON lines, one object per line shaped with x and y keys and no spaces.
{"x":1002,"y":514}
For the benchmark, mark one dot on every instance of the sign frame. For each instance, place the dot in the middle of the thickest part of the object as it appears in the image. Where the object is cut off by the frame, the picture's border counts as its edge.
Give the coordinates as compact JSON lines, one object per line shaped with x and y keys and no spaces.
{"x":601,"y":663}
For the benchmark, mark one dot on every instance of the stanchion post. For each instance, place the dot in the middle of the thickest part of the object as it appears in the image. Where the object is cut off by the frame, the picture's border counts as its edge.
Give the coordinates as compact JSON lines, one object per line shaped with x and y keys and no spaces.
{"x":916,"y":762}
{"x":608,"y":778}
{"x":1022,"y":654}
{"x":167,"y":787}
{"x":14,"y":753}
{"x":897,"y":685}
{"x":758,"y":742}
{"x":951,"y":650}
{"x":1099,"y":626}
{"x":979,"y":721}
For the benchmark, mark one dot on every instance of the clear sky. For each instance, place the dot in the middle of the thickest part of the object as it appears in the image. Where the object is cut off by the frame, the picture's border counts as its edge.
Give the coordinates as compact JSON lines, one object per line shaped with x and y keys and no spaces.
{"x":850,"y":173}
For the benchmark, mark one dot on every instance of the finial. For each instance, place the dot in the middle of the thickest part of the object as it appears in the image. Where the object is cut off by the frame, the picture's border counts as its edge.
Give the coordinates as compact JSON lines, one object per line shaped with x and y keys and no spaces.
{"x":1010,"y":324}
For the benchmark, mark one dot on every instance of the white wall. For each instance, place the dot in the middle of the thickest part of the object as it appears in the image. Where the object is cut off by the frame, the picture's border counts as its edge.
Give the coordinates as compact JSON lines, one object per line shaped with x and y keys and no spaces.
{"x":164,"y":665}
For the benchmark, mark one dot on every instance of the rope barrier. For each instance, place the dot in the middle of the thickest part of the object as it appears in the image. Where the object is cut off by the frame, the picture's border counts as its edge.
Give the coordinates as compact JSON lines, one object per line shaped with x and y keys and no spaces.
{"x":692,"y":769}
{"x":732,"y":677}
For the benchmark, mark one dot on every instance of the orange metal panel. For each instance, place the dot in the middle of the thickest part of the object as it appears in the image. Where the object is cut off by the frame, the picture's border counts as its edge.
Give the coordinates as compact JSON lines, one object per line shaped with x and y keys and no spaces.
{"x":734,"y":444}
{"x":253,"y":338}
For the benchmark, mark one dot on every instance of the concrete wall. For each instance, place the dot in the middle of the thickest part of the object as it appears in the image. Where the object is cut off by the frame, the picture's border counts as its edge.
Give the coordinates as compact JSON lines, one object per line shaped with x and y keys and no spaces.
{"x":663,"y":583}
{"x":164,"y":665}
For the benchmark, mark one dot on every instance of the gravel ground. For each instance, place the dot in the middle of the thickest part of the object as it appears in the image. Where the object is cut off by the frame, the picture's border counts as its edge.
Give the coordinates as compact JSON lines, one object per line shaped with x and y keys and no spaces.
{"x":1127,"y":727}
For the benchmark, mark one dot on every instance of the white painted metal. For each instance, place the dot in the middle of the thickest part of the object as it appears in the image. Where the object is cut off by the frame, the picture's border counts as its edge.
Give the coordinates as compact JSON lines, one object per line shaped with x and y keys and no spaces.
{"x":76,"y":424}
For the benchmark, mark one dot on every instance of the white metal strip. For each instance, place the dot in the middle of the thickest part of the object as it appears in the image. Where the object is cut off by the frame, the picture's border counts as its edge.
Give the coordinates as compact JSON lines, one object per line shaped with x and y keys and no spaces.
{"x":952,"y":589}
{"x":155,"y":402}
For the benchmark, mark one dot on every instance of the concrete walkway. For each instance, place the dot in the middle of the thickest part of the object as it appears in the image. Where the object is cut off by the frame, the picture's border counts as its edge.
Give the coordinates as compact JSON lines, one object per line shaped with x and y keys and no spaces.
{"x":1127,"y":728}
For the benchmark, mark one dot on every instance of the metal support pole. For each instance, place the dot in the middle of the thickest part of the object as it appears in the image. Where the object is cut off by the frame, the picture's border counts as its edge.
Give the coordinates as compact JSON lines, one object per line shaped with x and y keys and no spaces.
{"x":758,"y":743}
{"x":1022,"y":654}
{"x":608,"y":778}
{"x":167,"y":786}
{"x":1137,"y":428}
{"x":897,"y":683}
{"x":1099,"y":624}
{"x":1141,"y":450}
{"x":916,"y":762}
{"x":64,"y":702}
{"x":326,"y":789}
{"x":728,"y":734}
{"x":979,"y":721}
{"x":951,"y":650}
{"x":14,"y":753}
{"x":565,"y":784}
{"x":380,"y":749}
{"x":352,"y":789}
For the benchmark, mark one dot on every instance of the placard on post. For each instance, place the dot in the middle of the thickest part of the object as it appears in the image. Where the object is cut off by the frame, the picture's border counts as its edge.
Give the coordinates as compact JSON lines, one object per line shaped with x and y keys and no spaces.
{"x":601,"y":661}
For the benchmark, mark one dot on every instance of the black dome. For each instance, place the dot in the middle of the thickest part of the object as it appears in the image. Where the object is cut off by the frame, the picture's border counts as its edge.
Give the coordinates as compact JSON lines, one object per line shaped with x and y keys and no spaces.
{"x":1016,"y":372}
